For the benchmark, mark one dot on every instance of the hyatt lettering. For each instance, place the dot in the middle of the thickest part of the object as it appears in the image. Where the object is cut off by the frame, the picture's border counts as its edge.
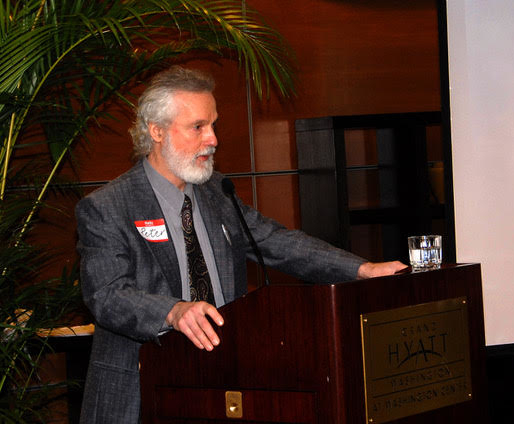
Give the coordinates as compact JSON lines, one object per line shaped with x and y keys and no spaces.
{"x":423,"y":348}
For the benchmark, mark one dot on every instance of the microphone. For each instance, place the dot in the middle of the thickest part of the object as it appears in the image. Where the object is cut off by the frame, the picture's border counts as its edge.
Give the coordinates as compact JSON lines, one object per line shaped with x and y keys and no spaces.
{"x":228,"y":188}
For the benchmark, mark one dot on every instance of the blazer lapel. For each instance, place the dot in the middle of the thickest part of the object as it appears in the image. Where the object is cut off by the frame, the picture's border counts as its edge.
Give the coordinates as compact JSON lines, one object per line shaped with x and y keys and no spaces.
{"x":220,"y":246}
{"x":145,"y":206}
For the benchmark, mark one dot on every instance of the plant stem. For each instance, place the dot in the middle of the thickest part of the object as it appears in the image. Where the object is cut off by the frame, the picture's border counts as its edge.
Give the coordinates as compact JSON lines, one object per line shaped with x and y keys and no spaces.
{"x":7,"y":157}
{"x":32,"y":370}
{"x":9,"y":368}
{"x":13,"y":116}
{"x":42,"y":193}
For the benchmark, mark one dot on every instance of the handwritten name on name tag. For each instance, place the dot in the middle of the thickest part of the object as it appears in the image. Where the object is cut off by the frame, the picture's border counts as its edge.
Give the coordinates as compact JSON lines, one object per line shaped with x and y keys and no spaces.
{"x":153,"y":230}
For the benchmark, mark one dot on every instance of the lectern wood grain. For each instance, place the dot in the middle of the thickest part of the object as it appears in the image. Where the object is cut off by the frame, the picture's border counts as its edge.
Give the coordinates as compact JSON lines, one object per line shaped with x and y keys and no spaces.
{"x":295,"y":354}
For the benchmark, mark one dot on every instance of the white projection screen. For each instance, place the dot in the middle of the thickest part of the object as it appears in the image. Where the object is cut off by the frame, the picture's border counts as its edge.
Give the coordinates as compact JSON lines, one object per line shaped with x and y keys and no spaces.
{"x":481,"y":74}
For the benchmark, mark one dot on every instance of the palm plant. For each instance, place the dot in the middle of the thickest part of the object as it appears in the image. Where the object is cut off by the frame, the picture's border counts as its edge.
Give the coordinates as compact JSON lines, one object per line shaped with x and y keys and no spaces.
{"x":61,"y":61}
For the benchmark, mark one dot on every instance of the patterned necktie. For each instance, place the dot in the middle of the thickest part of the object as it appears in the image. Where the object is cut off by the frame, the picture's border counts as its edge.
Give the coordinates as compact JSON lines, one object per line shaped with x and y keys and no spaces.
{"x":199,"y":280}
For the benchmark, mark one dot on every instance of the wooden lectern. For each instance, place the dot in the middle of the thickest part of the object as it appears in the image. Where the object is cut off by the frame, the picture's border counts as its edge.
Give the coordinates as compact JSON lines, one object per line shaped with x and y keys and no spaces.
{"x":294,"y":354}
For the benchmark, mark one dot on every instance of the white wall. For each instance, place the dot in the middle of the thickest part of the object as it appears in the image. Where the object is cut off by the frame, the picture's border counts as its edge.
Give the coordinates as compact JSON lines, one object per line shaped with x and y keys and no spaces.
{"x":481,"y":62}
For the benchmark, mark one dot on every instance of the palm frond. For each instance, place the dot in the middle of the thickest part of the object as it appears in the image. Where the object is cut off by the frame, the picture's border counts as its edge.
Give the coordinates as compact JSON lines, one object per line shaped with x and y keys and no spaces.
{"x":61,"y":62}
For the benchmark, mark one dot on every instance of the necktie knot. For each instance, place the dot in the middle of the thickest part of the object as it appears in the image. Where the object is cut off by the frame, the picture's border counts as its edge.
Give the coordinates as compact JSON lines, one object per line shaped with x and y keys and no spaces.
{"x":187,"y":205}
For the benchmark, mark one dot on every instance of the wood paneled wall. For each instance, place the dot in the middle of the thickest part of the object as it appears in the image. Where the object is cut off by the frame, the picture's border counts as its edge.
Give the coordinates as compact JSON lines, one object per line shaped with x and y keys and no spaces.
{"x":352,"y":57}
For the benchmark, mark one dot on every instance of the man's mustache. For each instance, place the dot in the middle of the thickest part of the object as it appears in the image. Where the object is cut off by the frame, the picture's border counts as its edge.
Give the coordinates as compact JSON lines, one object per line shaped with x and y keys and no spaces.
{"x":206,"y":152}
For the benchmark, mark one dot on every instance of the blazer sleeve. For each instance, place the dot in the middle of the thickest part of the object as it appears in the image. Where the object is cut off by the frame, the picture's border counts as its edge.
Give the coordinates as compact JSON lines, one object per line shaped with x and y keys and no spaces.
{"x":123,"y":289}
{"x":298,"y":254}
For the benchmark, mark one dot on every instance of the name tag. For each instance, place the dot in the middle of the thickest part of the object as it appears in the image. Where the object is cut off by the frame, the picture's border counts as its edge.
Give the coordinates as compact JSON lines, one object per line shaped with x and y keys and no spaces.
{"x":153,"y":230}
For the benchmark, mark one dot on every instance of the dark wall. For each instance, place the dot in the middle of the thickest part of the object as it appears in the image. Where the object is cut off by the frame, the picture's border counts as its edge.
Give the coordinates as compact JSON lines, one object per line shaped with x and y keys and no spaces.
{"x":353,"y":57}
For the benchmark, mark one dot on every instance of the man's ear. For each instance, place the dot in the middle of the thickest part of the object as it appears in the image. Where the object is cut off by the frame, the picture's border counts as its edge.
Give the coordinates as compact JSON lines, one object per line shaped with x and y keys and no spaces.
{"x":156,"y":132}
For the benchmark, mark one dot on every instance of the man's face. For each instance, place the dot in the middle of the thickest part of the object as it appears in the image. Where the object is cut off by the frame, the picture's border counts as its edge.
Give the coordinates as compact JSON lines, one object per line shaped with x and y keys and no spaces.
{"x":190,"y":141}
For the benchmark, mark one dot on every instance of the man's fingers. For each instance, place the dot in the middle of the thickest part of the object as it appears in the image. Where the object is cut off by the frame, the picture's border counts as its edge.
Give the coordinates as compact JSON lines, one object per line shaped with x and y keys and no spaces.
{"x":397,"y":266}
{"x":206,"y":334}
{"x":190,"y":318}
{"x":214,"y":314}
{"x":205,"y":328}
{"x":379,"y":269}
{"x":197,"y":335}
{"x":191,"y":336}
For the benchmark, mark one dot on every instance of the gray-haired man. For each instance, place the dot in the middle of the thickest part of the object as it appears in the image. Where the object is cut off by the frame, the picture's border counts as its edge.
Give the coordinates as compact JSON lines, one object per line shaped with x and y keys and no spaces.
{"x":136,"y":261}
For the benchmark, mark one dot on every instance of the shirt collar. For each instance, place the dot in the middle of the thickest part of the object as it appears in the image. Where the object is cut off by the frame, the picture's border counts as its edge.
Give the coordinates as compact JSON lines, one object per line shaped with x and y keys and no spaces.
{"x":167,"y":190}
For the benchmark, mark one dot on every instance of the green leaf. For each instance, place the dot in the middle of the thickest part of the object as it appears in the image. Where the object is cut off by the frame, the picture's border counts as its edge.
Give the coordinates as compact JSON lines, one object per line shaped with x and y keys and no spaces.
{"x":61,"y":62}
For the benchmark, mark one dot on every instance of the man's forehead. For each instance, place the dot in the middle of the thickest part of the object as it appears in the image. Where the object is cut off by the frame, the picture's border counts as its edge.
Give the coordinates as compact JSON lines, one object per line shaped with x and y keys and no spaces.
{"x":184,"y":94}
{"x":195,"y":105}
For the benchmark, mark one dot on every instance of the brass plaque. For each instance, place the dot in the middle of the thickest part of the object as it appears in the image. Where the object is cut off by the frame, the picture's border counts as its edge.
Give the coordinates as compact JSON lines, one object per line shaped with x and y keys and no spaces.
{"x":415,"y":359}
{"x":234,"y":404}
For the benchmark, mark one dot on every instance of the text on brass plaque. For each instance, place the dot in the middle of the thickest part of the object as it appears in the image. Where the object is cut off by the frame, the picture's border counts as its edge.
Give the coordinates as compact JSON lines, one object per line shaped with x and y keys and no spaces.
{"x":416,"y":359}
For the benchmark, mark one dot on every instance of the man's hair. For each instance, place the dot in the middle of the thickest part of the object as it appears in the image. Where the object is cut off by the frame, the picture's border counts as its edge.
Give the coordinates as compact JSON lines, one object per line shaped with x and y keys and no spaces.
{"x":157,"y":103}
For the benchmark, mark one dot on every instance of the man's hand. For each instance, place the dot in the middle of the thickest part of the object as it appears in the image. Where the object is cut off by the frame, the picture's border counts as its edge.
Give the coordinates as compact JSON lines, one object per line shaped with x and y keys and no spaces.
{"x":379,"y":269}
{"x":190,"y":319}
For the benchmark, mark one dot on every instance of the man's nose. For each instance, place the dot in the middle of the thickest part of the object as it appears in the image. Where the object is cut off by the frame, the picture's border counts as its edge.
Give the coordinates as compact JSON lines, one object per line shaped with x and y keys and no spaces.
{"x":210,"y":138}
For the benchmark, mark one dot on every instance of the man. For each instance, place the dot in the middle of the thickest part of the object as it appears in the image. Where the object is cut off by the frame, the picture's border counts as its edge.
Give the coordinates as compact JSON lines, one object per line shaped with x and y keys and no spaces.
{"x":139,"y":255}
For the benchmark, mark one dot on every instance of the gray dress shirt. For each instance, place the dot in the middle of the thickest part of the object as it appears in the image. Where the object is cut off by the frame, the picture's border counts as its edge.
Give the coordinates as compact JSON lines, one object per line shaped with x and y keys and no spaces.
{"x":170,"y":199}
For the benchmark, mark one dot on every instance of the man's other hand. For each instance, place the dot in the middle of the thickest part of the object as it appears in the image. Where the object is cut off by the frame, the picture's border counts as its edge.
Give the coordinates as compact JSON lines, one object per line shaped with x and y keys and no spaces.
{"x":190,"y":318}
{"x":379,"y":269}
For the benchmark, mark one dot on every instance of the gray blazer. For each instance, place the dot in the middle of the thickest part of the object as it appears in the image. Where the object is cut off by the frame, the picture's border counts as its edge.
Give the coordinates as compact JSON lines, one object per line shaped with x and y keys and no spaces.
{"x":130,"y":284}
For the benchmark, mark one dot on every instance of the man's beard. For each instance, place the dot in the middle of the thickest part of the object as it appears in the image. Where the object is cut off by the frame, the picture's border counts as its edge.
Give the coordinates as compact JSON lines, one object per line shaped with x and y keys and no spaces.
{"x":185,"y":167}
